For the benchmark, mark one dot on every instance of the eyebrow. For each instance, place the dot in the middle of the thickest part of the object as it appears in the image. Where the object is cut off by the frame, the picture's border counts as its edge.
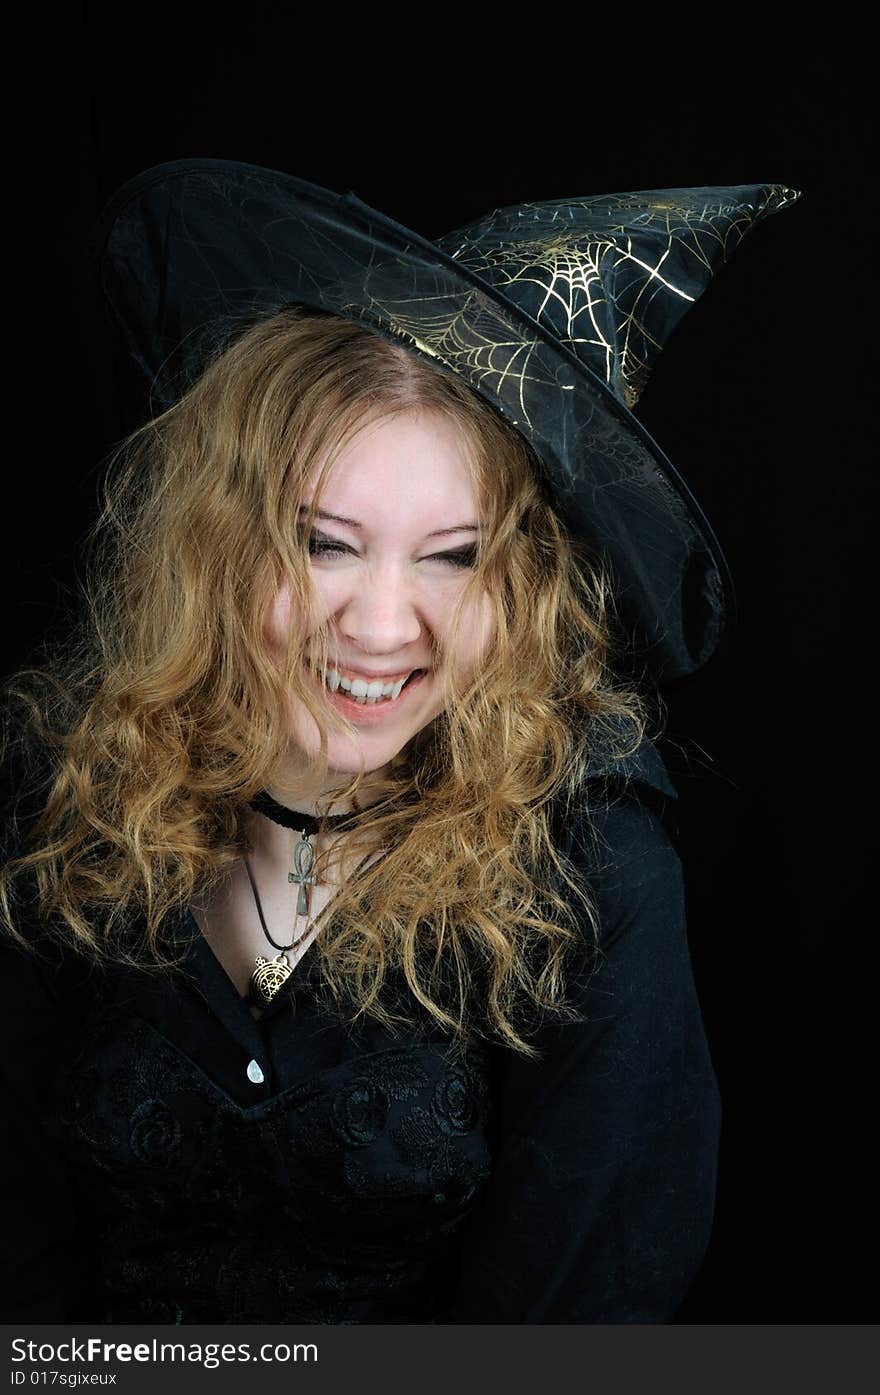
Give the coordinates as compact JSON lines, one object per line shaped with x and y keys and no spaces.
{"x":352,"y":523}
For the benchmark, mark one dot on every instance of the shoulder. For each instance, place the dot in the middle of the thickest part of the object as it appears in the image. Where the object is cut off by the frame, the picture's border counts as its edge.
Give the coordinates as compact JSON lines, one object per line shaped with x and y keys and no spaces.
{"x":25,"y":780}
{"x":643,"y":767}
{"x":626,"y":791}
{"x":619,"y":836}
{"x":29,"y":952}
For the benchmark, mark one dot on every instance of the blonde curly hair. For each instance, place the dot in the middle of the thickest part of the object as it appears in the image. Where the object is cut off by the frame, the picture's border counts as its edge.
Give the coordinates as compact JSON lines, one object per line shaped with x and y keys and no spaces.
{"x":163,"y":713}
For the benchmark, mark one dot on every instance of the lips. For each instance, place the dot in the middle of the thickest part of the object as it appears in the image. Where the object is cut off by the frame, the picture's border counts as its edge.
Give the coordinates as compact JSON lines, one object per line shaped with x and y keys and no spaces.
{"x":345,"y":671}
{"x":367,"y":713}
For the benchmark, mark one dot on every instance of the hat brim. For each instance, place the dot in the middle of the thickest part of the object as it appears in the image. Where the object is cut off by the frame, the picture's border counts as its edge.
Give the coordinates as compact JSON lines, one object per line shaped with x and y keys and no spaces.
{"x":192,"y":252}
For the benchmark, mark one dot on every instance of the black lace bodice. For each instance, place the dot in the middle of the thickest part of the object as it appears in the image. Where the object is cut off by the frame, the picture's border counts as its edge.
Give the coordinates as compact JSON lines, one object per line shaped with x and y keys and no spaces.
{"x":312,"y":1195}
{"x":193,"y":1164}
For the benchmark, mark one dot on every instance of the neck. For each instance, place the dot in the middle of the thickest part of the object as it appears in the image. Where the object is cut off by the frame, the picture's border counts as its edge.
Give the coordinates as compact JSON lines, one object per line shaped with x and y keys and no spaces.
{"x":272,"y":827}
{"x":293,"y":771}
{"x":270,"y":844}
{"x":308,"y":824}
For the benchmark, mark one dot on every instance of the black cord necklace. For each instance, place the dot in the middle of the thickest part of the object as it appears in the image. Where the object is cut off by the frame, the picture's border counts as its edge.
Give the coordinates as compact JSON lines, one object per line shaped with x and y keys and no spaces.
{"x":269,"y":974}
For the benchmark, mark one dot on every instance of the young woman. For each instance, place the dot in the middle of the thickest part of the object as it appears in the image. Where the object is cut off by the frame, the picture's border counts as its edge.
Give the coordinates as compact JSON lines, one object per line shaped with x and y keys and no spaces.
{"x":345,"y":970}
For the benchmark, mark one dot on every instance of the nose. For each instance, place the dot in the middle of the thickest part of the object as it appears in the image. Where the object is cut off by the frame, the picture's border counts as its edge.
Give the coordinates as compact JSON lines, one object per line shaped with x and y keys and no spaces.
{"x":380,"y":616}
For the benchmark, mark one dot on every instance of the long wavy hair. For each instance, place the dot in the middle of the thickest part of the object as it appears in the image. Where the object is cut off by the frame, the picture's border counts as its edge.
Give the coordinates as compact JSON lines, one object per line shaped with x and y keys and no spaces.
{"x":163,"y":712}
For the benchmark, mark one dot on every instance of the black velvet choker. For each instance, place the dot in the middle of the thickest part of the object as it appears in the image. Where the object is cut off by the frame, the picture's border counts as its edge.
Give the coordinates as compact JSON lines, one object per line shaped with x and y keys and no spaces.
{"x":263,"y":803}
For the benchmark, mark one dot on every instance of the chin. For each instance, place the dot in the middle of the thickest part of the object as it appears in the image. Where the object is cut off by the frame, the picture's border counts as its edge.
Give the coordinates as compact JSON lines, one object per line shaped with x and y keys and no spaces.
{"x":344,"y":756}
{"x":345,"y":761}
{"x":375,"y":741}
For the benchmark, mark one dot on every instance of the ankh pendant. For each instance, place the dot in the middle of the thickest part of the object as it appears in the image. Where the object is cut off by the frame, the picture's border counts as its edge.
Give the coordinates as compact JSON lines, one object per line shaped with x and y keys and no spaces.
{"x":269,"y":975}
{"x":304,"y":859}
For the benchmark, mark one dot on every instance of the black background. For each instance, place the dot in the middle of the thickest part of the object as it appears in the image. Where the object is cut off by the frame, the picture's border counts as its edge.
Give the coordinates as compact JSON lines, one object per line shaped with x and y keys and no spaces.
{"x":761,"y":400}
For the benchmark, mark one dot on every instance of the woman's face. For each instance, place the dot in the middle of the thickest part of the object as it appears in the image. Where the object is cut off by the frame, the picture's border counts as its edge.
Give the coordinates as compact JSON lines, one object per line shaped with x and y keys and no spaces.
{"x":389,"y":567}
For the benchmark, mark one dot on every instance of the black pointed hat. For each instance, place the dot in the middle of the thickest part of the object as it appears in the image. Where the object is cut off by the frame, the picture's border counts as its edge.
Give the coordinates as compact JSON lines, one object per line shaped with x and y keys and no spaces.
{"x":553,"y":312}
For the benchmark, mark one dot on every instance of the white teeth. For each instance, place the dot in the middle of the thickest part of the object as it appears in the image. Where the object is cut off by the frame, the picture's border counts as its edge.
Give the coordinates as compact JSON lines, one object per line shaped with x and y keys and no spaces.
{"x":362,"y":691}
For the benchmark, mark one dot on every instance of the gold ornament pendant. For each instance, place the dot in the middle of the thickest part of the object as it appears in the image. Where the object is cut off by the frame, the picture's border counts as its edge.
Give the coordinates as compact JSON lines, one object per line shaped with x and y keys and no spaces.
{"x":269,"y":975}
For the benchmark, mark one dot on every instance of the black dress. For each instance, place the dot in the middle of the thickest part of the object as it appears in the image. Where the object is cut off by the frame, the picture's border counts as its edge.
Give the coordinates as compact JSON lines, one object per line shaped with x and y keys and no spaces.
{"x":178,"y":1161}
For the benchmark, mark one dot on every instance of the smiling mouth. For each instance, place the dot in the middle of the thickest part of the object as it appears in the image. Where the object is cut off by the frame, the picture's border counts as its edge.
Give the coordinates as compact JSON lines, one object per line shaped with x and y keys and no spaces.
{"x":358,"y":696}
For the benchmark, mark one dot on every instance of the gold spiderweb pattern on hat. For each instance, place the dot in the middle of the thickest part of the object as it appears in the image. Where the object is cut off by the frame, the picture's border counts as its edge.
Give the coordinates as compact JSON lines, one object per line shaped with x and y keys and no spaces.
{"x":610,"y":294}
{"x":468,"y":334}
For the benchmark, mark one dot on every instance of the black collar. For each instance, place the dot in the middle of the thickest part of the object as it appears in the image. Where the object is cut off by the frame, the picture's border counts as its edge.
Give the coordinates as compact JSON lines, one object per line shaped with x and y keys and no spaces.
{"x":263,"y":803}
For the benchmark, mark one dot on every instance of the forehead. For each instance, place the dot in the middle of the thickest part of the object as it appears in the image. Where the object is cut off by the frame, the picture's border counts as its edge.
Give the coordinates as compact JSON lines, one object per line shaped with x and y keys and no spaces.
{"x":406,"y":468}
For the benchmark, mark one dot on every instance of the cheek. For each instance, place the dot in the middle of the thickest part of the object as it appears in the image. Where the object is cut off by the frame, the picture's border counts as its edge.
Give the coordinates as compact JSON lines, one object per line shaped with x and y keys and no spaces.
{"x":277,"y":621}
{"x":477,"y":632}
{"x":486,"y":627}
{"x":282,"y":616}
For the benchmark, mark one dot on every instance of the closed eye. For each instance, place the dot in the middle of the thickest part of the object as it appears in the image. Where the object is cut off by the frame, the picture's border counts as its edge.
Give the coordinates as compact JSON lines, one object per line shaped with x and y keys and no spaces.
{"x":322,"y":546}
{"x":325,"y":547}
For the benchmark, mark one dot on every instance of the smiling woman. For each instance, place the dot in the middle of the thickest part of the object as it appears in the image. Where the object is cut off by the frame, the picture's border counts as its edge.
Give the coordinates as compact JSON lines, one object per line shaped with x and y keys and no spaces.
{"x":335,"y":880}
{"x":224,"y":778}
{"x":386,"y":600}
